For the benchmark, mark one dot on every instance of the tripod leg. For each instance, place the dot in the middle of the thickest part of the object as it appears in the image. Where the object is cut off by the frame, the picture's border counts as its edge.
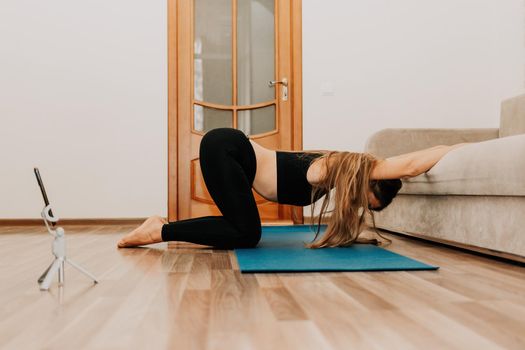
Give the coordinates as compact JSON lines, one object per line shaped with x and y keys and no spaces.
{"x":41,"y":278}
{"x":81,"y":269}
{"x":50,"y":274}
{"x":61,"y":272}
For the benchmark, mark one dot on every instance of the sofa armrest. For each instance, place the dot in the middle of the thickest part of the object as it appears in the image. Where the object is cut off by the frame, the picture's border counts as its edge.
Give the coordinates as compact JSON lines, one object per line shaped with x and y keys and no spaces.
{"x":512,"y":116}
{"x":391,"y":142}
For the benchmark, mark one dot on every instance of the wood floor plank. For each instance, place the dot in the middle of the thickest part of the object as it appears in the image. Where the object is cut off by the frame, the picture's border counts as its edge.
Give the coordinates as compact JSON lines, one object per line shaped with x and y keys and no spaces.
{"x":239,"y":315}
{"x":332,"y":310}
{"x":221,"y":261}
{"x":127,"y":317}
{"x":512,"y":309}
{"x":302,"y":335}
{"x":481,"y":320}
{"x":189,"y":326}
{"x":283,"y":304}
{"x":446,"y":328}
{"x":367,"y":298}
{"x":200,"y":276}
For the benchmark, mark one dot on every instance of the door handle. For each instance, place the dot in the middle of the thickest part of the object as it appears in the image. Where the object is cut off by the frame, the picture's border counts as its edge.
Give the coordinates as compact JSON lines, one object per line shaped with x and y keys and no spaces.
{"x":284,"y":83}
{"x":273,"y":82}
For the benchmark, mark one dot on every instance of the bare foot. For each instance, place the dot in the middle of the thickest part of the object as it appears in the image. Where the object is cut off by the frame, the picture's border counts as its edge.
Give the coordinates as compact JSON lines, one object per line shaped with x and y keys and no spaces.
{"x":147,"y":233}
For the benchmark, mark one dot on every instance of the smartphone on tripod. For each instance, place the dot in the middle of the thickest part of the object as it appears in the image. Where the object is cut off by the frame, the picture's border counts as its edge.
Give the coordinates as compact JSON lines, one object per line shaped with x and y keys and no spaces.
{"x":58,"y":247}
{"x":43,"y":190}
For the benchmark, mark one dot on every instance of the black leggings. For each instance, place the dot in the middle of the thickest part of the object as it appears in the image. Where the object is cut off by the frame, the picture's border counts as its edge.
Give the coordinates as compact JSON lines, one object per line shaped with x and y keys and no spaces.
{"x":228,"y":166}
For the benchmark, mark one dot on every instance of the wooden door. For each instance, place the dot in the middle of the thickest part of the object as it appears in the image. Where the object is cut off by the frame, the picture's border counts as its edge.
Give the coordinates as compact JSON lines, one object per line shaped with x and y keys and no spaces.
{"x":222,"y":56}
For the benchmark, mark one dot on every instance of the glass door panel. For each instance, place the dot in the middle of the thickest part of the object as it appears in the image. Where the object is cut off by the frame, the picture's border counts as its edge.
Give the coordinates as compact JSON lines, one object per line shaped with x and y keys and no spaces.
{"x":256,"y":121}
{"x":255,"y":51}
{"x":212,"y":59}
{"x":205,"y":118}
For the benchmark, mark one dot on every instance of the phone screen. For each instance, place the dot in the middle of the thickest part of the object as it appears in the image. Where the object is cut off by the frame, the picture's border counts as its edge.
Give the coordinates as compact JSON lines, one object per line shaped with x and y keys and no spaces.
{"x":42,"y":189}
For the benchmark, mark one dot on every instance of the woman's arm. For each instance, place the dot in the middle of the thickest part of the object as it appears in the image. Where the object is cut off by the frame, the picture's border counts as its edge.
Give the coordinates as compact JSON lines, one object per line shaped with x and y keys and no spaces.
{"x":410,"y":164}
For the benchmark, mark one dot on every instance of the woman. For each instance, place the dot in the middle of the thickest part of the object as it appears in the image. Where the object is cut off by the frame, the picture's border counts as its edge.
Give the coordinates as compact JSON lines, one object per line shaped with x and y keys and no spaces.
{"x":232,"y":164}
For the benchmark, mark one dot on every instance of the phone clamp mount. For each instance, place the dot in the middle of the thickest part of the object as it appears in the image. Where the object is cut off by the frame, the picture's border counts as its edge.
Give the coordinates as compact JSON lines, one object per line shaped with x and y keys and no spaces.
{"x":59,"y":250}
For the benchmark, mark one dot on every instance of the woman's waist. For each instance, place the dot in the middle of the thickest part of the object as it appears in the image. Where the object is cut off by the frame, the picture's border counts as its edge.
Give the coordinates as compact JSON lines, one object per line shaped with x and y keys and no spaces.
{"x":265,"y":182}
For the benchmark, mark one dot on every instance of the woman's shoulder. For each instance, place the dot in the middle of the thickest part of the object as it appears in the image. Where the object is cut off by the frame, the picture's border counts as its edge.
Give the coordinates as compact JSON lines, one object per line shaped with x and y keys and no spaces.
{"x":316,"y":170}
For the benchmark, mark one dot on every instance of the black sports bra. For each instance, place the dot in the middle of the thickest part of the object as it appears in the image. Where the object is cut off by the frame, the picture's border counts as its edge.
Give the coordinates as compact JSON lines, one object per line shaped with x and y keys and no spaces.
{"x":292,"y":186}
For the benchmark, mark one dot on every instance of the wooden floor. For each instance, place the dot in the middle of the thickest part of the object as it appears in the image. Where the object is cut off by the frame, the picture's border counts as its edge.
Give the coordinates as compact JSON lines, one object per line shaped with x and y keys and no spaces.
{"x":186,"y":297}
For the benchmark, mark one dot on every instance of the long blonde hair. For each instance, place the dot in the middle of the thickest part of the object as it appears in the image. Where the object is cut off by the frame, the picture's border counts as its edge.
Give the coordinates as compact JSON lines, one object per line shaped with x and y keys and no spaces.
{"x":349,"y":173}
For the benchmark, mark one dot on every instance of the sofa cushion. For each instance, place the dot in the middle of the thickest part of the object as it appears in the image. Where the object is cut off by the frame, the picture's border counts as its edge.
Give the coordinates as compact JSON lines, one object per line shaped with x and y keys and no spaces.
{"x":512,"y":121}
{"x":495,"y":167}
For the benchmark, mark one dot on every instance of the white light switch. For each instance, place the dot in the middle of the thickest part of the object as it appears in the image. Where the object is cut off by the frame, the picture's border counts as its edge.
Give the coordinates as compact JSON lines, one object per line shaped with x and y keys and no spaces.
{"x":327,"y":88}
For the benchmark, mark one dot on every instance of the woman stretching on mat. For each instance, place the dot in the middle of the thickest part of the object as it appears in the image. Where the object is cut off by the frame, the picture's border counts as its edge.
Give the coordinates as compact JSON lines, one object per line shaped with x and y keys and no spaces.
{"x":232,"y":164}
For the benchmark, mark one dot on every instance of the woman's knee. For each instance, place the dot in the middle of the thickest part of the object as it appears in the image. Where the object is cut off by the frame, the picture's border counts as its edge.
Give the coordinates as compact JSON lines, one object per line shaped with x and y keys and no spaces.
{"x":250,"y":238}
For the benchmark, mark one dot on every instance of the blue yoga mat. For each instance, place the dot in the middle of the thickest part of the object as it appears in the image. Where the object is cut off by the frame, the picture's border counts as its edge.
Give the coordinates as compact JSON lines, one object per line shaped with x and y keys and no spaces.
{"x":281,"y":249}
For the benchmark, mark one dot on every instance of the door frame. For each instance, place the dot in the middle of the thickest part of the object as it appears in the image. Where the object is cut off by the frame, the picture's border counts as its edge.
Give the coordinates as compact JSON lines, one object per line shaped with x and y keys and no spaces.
{"x":174,"y":108}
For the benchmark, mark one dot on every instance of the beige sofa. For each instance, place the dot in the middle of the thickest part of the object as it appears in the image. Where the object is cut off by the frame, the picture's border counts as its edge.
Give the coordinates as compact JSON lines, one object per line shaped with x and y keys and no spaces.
{"x":474,"y":197}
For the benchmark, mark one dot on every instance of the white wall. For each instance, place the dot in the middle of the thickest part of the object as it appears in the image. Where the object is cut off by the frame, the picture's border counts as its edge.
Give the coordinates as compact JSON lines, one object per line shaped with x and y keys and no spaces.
{"x":83,"y":88}
{"x":407,"y":63}
{"x":83,"y":96}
